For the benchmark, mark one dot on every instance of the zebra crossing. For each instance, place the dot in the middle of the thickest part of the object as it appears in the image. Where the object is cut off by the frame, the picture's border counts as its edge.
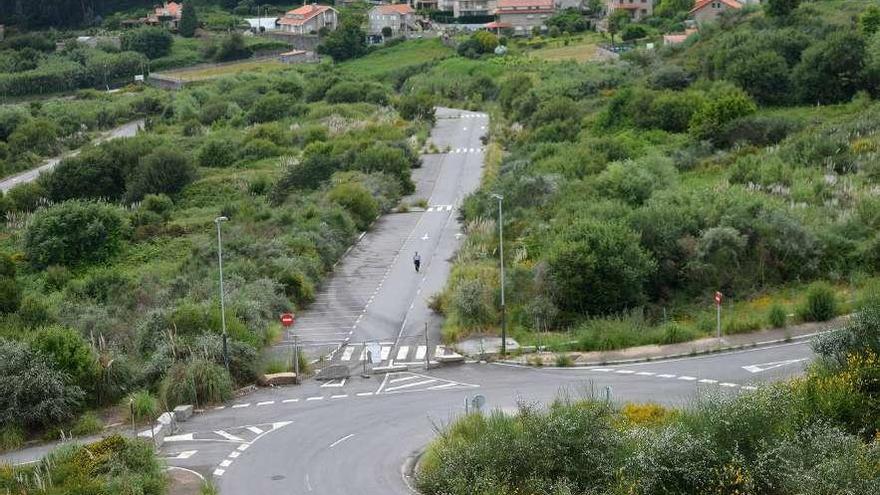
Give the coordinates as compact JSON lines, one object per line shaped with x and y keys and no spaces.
{"x":389,"y":354}
{"x":465,"y":150}
{"x":439,"y":208}
{"x":241,"y":434}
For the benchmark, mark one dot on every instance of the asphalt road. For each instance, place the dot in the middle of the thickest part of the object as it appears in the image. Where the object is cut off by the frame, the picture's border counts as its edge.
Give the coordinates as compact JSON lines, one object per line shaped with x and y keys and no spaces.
{"x":375,"y":298}
{"x":354,"y":435}
{"x":125,"y":130}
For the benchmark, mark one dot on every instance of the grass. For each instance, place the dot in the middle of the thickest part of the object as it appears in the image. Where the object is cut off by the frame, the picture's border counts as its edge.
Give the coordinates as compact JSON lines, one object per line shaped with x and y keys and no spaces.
{"x":143,"y":405}
{"x":387,"y":61}
{"x":556,"y":51}
{"x":250,"y":66}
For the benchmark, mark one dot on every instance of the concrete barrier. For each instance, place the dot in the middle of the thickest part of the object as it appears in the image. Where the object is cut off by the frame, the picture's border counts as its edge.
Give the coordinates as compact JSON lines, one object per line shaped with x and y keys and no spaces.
{"x":183,"y":413}
{"x":276,"y":379}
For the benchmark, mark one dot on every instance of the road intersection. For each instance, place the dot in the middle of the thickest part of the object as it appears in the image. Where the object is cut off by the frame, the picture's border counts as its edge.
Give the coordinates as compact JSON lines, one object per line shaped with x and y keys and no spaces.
{"x":353,"y":435}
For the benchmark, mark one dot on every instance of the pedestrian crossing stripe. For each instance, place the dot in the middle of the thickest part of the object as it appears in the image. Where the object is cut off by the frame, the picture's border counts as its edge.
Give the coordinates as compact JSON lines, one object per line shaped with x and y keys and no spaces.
{"x":407,"y":381}
{"x":242,"y":434}
{"x":466,"y":150}
{"x":439,"y":208}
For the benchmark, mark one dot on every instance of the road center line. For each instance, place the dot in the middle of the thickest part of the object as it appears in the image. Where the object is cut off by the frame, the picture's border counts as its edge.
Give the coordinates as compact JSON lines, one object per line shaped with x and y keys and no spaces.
{"x":334,"y":444}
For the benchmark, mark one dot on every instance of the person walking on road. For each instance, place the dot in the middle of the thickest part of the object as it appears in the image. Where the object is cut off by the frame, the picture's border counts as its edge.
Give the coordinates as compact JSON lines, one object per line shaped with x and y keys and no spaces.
{"x":417,"y":261}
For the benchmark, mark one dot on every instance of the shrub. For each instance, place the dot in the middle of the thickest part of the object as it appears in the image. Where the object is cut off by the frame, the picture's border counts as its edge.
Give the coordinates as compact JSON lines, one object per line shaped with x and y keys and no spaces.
{"x":672,"y":77}
{"x":10,"y":295}
{"x":564,"y":360}
{"x":11,"y":437}
{"x":419,"y":106}
{"x":719,"y":110}
{"x":831,"y":70}
{"x":26,"y":197}
{"x":69,"y":353}
{"x":74,"y":232}
{"x":142,"y":405}
{"x":196,"y":382}
{"x":821,"y":303}
{"x":32,"y":392}
{"x":87,"y":424}
{"x":152,"y":42}
{"x":38,"y":136}
{"x":470,"y":301}
{"x":162,"y":171}
{"x":777,"y":317}
{"x":218,"y":152}
{"x":258,"y":149}
{"x":647,"y":414}
{"x":357,"y":200}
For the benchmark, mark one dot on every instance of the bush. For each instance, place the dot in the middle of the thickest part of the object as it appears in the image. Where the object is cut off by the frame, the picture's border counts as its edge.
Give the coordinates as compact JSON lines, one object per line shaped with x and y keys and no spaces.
{"x":142,"y":405}
{"x":777,"y":317}
{"x":152,"y":42}
{"x":718,"y":111}
{"x":196,"y":382}
{"x":73,"y":233}
{"x":69,"y":353}
{"x":357,"y":200}
{"x":87,"y":424}
{"x":821,"y":303}
{"x":10,"y":295}
{"x":11,"y":437}
{"x":32,"y":392}
{"x":162,"y":171}
{"x":564,"y":360}
{"x":416,"y":107}
{"x":218,"y":152}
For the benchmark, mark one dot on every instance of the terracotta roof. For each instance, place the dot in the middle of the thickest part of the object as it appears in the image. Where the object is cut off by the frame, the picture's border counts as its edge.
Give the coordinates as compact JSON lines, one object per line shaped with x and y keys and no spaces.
{"x":397,"y":8}
{"x":300,"y":16}
{"x":169,"y":9}
{"x":542,"y":4}
{"x":497,"y":25}
{"x":700,"y":4}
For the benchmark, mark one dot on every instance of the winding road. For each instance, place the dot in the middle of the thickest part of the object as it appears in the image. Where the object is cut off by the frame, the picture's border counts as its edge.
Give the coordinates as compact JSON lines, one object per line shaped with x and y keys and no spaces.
{"x":355,"y":435}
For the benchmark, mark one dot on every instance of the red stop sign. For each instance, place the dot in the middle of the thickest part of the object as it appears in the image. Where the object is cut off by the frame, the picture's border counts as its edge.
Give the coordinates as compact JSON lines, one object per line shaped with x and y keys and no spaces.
{"x":718,"y":298}
{"x":287,"y":319}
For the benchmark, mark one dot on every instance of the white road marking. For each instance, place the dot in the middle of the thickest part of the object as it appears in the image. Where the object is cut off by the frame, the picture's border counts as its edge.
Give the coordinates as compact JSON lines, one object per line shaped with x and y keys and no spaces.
{"x":727,"y":384}
{"x":346,"y":437}
{"x":707,"y":380}
{"x":364,"y":394}
{"x":186,"y":454}
{"x":229,"y":436}
{"x":243,"y":447}
{"x":665,"y":376}
{"x":757,"y":368}
{"x":288,"y":401}
{"x":234,"y":454}
{"x":179,"y":438}
{"x":239,"y":406}
{"x":219,"y":408}
{"x":407,"y":385}
{"x":646,"y":373}
{"x":687,"y":378}
{"x":255,"y":429}
{"x":363,"y":355}
{"x":603,"y":370}
{"x":225,"y":463}
{"x":265,"y":403}
{"x":334,"y":383}
{"x":386,"y":351}
{"x":403,"y":379}
{"x":749,"y":387}
{"x":320,"y":397}
{"x":625,"y":372}
{"x":340,"y":396}
{"x":420,"y":352}
{"x":219,"y":472}
{"x":402,"y":352}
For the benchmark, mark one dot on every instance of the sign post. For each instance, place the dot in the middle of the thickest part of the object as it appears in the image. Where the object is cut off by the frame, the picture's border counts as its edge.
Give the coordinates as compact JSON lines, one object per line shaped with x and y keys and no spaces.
{"x":718,"y":298}
{"x":287,"y":320}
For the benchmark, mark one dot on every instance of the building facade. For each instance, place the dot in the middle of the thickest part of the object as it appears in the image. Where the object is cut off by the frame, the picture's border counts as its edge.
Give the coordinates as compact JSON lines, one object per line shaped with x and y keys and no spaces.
{"x":309,"y":19}
{"x":524,"y":15}
{"x":637,"y":9}
{"x":167,"y":15}
{"x":398,"y":17}
{"x":708,"y":10}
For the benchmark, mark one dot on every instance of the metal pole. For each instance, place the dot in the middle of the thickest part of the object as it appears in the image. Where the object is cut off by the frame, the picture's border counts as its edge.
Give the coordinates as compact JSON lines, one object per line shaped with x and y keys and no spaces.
{"x":296,"y":358}
{"x":427,"y":348}
{"x":501,"y":256}
{"x":217,"y":221}
{"x":718,"y":319}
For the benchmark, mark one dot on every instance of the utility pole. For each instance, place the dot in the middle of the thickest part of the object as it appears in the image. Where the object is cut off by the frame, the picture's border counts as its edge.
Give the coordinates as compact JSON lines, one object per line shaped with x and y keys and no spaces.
{"x":218,"y":221}
{"x":427,"y":348}
{"x":500,"y":198}
{"x":296,"y":358}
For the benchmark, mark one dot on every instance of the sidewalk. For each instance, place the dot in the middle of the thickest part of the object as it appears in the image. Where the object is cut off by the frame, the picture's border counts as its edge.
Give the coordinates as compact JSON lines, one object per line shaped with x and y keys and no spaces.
{"x":685,"y":349}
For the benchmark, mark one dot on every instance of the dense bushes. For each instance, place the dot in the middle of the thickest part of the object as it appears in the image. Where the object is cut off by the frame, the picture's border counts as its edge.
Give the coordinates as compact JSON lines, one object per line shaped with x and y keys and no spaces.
{"x":74,"y":232}
{"x":150,"y":41}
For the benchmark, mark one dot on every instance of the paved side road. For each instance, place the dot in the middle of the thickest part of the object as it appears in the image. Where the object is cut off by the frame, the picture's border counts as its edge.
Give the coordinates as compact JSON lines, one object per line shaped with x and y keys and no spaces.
{"x":126,"y":130}
{"x":375,"y":299}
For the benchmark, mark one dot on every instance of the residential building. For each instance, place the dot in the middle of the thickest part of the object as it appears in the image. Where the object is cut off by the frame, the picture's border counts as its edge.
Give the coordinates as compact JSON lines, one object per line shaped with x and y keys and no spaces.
{"x":309,"y":19}
{"x":677,"y":38}
{"x":524,"y":15}
{"x":425,"y":4}
{"x":167,"y":15}
{"x":638,"y":9}
{"x":399,"y":17}
{"x":471,"y":8}
{"x":708,"y":10}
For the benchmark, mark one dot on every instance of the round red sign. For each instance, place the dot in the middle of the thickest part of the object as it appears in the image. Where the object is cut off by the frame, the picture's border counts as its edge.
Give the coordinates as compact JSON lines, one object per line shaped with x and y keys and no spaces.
{"x":287,"y":319}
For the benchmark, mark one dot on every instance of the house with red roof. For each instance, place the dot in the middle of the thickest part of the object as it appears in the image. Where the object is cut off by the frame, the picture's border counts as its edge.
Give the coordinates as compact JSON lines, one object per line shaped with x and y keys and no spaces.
{"x":524,"y":15}
{"x":637,"y":9}
{"x":309,"y":19}
{"x":708,"y":10}
{"x":167,"y":15}
{"x":398,"y":17}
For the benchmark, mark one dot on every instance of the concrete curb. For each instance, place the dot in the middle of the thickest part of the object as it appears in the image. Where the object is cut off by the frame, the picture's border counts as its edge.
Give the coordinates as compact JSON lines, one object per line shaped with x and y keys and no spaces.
{"x":409,"y":468}
{"x":720,"y":350}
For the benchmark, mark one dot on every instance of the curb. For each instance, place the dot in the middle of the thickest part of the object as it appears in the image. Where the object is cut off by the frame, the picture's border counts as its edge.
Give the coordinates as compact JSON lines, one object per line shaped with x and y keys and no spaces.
{"x":720,"y":350}
{"x":408,"y":469}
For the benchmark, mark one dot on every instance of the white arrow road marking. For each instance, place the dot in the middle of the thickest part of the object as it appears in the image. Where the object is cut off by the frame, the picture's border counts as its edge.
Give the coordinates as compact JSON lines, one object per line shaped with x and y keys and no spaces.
{"x":757,"y":368}
{"x":425,"y":237}
{"x":229,"y":436}
{"x":186,"y":454}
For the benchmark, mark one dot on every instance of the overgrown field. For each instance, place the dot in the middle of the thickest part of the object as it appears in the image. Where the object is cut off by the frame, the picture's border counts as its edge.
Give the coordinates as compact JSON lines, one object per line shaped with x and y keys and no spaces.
{"x":814,"y":435}
{"x":108,"y":265}
{"x":744,"y":161}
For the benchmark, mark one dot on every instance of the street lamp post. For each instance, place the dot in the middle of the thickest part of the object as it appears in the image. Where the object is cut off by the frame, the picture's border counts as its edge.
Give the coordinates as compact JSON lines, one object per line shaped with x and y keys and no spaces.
{"x":500,"y":198}
{"x":218,"y":221}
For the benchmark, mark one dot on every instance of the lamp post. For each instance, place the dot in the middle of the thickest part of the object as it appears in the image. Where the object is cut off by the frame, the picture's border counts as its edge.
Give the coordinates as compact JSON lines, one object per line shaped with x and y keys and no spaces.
{"x":500,"y":198}
{"x":217,"y":222}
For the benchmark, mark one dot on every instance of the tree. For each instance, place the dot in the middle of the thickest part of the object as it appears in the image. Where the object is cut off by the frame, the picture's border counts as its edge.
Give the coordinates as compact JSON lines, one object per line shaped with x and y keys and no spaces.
{"x":598,"y":268}
{"x":69,"y":353}
{"x":718,"y":110}
{"x":74,"y":232}
{"x":487,"y":40}
{"x":232,"y":47}
{"x":32,"y":392}
{"x":617,"y":21}
{"x":765,"y":76}
{"x":355,"y":198}
{"x":780,"y":8}
{"x":162,"y":171}
{"x":869,"y":21}
{"x":151,"y":41}
{"x":832,"y":70}
{"x":189,"y":20}
{"x":347,"y":42}
{"x":418,"y":106}
{"x":387,"y":32}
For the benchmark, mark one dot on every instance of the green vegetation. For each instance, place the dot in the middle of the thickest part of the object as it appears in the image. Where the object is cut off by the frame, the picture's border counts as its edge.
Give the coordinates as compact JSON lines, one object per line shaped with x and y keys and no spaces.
{"x":112,"y":465}
{"x":774,"y":440}
{"x":635,"y":189}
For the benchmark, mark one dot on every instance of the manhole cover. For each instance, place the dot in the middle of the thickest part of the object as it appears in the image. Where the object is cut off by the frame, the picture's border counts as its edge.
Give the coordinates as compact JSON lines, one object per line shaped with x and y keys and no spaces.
{"x":278,"y":477}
